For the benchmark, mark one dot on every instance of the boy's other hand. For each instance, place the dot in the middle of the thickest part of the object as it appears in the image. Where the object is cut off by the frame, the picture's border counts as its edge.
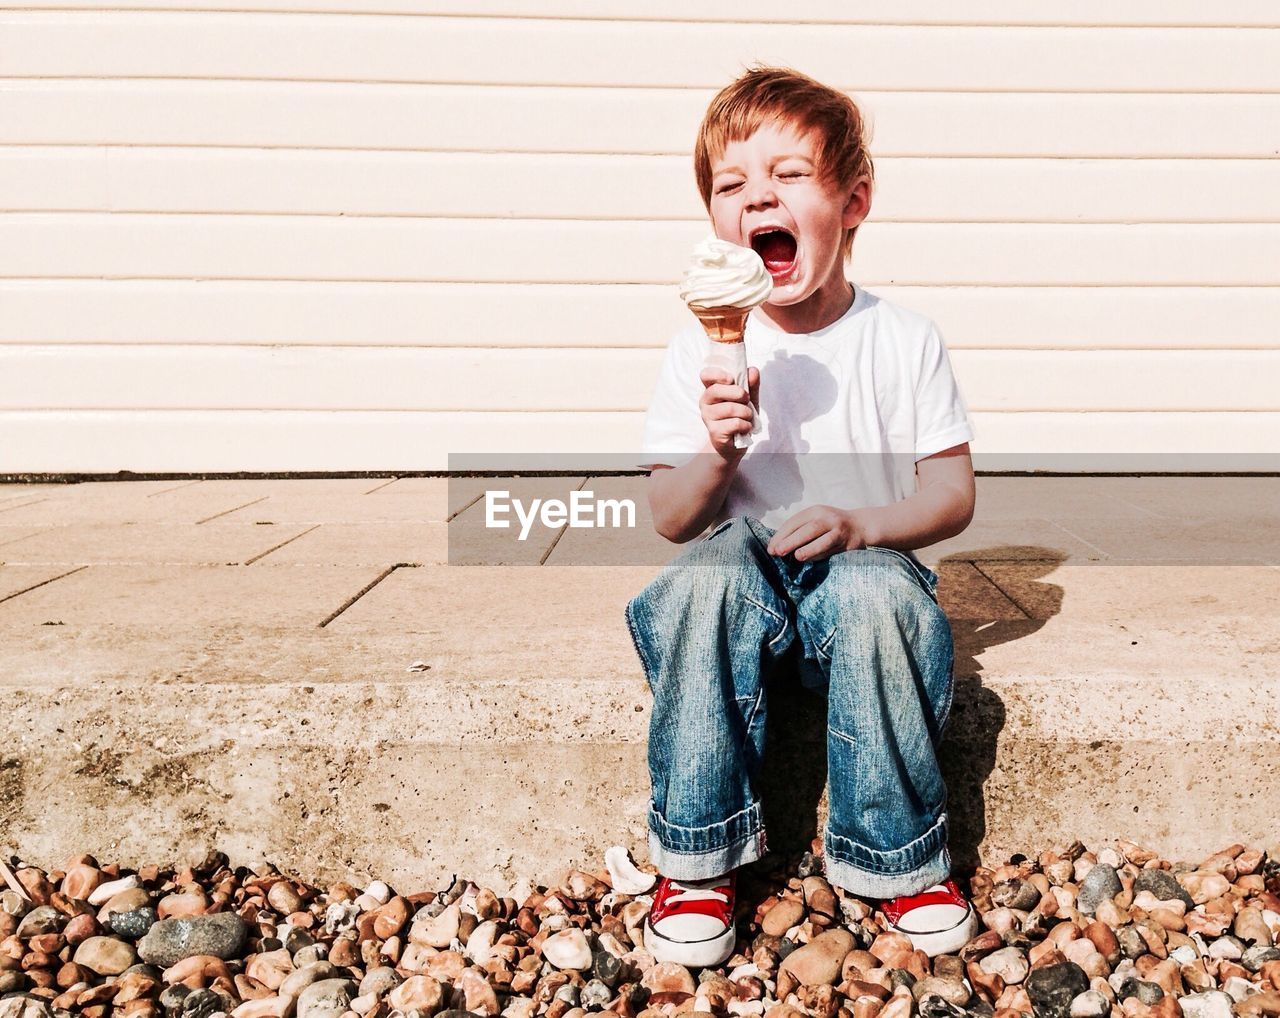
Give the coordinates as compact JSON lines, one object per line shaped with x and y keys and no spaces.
{"x":726,"y":409}
{"x":818,"y":532}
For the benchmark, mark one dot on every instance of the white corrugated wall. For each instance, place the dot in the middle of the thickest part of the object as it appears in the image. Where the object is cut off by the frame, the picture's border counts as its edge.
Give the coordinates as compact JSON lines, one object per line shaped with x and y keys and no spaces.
{"x":362,"y":234}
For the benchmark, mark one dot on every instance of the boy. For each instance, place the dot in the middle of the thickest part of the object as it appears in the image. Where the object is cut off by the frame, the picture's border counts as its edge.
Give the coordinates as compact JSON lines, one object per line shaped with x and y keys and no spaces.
{"x":863,"y":456}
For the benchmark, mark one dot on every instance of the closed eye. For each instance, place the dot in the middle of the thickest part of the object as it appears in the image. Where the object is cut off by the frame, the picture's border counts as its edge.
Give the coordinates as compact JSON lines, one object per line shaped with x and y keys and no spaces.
{"x":726,"y":188}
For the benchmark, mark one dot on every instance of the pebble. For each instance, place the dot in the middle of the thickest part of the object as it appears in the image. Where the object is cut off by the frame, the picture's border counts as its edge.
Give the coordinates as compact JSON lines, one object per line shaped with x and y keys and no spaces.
{"x":1090,"y":1004}
{"x":1065,"y":933}
{"x":1162,"y":885}
{"x":819,"y":960}
{"x":104,"y":892}
{"x":420,"y":993}
{"x":325,"y":998}
{"x":299,"y":980}
{"x":1258,"y":955}
{"x":105,"y":956}
{"x":23,"y":1006}
{"x":568,"y":949}
{"x":624,"y":875}
{"x":41,"y":919}
{"x":785,"y":914}
{"x":380,"y":981}
{"x":222,"y":935}
{"x":1101,"y":884}
{"x":1211,"y":1004}
{"x":436,"y":931}
{"x":134,"y":923}
{"x":1051,"y":988}
{"x":283,"y":898}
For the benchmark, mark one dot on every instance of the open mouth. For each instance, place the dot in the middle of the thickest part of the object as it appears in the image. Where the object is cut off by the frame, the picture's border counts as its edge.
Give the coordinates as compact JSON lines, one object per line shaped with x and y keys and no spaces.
{"x":777,"y":248}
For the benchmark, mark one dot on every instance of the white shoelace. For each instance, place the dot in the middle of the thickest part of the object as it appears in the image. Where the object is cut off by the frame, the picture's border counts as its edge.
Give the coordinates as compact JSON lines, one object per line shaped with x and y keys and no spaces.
{"x":703,"y":890}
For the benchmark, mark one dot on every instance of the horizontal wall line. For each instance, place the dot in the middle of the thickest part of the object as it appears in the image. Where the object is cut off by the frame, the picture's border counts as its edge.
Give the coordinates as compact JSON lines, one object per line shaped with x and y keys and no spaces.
{"x":543,"y":411}
{"x":75,"y":344}
{"x":625,"y":86}
{"x":559,"y":153}
{"x":640,"y":19}
{"x":478,"y":217}
{"x":868,"y":283}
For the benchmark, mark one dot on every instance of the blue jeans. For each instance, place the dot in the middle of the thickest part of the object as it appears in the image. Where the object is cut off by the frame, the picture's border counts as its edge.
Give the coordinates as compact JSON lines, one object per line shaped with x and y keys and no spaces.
{"x":708,"y":630}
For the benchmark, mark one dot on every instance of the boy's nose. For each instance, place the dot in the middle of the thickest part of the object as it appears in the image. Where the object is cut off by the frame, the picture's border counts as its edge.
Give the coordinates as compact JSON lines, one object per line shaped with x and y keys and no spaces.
{"x":761,"y":195}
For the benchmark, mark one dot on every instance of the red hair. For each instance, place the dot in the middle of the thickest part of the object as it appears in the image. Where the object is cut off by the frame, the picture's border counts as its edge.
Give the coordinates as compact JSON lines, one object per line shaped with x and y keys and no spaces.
{"x":781,"y":95}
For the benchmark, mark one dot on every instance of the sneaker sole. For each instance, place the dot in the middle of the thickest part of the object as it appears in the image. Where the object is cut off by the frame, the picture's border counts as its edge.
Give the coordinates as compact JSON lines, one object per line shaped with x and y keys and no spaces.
{"x":697,"y":954}
{"x":944,"y":941}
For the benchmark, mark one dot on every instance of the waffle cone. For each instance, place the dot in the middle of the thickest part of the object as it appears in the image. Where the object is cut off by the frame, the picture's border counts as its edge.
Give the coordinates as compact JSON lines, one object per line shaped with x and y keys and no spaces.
{"x":723,"y":324}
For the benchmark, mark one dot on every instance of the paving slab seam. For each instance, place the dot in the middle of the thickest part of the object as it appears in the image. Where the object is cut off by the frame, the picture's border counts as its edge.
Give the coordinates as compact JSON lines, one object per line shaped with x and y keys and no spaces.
{"x":176,"y":487}
{"x":227,"y":512}
{"x":378,"y":579}
{"x":20,"y":505}
{"x":262,"y":555}
{"x":559,"y":533}
{"x":1003,"y":593}
{"x":1072,"y":533}
{"x":42,"y":583}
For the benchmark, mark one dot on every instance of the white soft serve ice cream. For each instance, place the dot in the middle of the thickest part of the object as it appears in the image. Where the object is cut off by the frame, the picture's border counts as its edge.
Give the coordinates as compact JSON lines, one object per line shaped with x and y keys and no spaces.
{"x":721,"y":274}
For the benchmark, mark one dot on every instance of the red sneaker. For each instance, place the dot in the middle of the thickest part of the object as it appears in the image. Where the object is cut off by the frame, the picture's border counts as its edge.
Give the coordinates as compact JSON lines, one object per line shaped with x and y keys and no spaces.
{"x":937,"y":921}
{"x":691,"y":921}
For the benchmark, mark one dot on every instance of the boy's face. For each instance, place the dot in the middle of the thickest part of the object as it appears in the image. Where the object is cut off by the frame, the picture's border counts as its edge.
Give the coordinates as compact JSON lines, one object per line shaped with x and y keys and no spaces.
{"x":768,"y":193}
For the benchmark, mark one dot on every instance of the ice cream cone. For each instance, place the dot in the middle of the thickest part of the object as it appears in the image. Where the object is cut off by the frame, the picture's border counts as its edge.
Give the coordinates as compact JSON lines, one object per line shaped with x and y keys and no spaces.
{"x":723,"y":324}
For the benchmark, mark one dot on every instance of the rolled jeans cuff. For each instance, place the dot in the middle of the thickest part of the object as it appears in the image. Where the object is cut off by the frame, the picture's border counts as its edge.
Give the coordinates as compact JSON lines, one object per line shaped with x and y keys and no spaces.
{"x":872,"y":873}
{"x":699,"y":853}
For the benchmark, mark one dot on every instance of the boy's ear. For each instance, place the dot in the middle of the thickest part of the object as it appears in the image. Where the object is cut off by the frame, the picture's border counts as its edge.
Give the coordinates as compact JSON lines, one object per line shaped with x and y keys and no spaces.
{"x":858,"y":205}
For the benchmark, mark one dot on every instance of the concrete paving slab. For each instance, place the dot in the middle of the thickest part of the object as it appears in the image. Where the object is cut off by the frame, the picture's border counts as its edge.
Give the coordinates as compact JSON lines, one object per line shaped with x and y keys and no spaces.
{"x":125,"y":502}
{"x":1176,"y":592}
{"x":14,"y":491}
{"x":147,"y":543}
{"x":20,"y":502}
{"x":473,"y":541}
{"x":1016,"y":539}
{"x":365,"y":544}
{"x":1205,"y":498}
{"x":1208,"y":542}
{"x":443,"y":496}
{"x":468,"y":622}
{"x":611,"y":545}
{"x":182,"y":597}
{"x":1019,"y":498}
{"x":320,"y":487}
{"x":423,"y":504}
{"x":8,"y":535}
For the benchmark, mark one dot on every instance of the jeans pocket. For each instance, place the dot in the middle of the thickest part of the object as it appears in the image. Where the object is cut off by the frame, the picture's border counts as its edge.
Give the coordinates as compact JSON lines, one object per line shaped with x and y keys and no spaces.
{"x":720,"y":528}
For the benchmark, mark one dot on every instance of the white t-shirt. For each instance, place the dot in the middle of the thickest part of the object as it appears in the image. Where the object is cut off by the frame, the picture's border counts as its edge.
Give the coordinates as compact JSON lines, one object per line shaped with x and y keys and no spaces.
{"x":845,"y":411}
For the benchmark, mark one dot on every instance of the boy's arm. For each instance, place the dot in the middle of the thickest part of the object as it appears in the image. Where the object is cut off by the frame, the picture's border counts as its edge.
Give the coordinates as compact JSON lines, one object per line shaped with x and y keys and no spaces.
{"x":941,"y":507}
{"x":684,"y":500}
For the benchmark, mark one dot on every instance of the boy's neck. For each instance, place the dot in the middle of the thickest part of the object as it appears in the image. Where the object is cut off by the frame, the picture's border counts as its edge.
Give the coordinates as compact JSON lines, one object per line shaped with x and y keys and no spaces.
{"x":816,"y":312}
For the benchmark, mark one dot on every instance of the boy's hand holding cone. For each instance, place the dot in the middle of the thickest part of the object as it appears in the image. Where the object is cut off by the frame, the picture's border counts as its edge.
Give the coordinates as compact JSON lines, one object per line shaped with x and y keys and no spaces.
{"x":722,"y":285}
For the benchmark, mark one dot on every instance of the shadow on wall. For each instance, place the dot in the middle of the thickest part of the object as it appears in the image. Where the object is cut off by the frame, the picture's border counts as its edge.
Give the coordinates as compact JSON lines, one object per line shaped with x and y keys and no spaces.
{"x":794,"y":774}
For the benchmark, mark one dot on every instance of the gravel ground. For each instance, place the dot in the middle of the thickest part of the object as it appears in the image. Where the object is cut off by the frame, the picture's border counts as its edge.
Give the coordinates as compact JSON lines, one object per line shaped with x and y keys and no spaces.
{"x":1068,"y":934}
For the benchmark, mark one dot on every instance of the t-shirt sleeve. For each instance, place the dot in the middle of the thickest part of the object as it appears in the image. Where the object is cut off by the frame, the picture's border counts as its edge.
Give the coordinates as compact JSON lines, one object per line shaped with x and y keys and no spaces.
{"x":673,"y":428}
{"x":942,"y":416}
